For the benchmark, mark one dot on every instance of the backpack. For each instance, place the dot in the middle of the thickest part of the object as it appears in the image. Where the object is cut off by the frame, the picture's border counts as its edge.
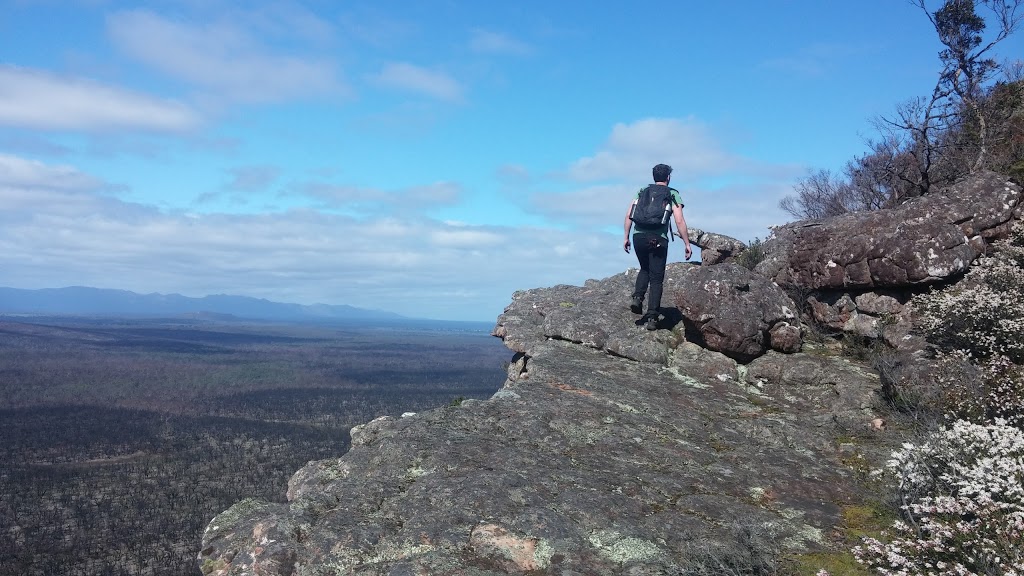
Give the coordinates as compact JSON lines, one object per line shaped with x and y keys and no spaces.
{"x":653,"y":207}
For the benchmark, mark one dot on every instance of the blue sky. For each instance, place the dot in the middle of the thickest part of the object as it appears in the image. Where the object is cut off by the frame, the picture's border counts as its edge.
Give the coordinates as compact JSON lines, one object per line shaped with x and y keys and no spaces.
{"x":427,"y":158}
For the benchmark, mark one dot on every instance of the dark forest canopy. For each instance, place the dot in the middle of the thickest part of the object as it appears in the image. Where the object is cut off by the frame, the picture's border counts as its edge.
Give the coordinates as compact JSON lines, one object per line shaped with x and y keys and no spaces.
{"x":122,"y":438}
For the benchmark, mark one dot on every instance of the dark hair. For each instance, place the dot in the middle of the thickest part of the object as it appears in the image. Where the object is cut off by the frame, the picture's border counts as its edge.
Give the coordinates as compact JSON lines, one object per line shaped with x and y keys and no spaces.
{"x":662,"y":172}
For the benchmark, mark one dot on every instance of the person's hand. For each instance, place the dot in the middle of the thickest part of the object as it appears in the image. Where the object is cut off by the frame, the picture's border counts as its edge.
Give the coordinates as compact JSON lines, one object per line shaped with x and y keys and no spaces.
{"x":625,"y":245}
{"x":689,"y":251}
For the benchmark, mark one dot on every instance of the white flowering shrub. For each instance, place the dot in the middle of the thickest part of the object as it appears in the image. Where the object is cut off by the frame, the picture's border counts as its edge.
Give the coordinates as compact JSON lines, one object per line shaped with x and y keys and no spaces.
{"x":979,"y":325}
{"x":983,"y":313}
{"x":962,"y":490}
{"x":980,"y":392}
{"x":963,"y":495}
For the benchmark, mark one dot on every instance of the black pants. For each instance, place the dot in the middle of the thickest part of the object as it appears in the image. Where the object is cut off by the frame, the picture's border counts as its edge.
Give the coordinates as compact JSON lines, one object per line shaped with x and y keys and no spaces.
{"x":652,"y":253}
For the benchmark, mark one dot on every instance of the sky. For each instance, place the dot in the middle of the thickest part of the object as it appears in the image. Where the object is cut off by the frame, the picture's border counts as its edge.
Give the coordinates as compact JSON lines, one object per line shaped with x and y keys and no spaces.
{"x":427,"y":157}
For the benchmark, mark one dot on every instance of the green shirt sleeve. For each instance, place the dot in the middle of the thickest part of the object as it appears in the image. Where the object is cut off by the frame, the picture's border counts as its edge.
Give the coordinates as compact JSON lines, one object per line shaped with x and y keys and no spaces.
{"x":677,"y":198}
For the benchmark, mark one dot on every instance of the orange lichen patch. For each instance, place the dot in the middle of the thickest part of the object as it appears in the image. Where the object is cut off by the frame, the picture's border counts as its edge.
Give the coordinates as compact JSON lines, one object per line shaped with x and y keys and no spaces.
{"x":568,"y":388}
{"x":511,"y":552}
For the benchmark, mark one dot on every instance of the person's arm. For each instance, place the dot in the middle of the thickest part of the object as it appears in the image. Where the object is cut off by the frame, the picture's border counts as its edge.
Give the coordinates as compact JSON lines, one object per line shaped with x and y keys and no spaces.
{"x":677,"y":214}
{"x":626,"y":225}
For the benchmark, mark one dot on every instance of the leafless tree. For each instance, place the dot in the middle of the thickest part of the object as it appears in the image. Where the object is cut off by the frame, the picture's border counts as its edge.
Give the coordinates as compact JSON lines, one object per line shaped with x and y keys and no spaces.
{"x":819,"y":195}
{"x":967,"y":63}
{"x":966,"y":124}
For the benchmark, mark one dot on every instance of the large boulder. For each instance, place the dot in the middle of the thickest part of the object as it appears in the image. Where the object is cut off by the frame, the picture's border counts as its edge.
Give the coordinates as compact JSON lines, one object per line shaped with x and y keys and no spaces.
{"x":738,"y":312}
{"x":726,"y":308}
{"x":926,"y":240}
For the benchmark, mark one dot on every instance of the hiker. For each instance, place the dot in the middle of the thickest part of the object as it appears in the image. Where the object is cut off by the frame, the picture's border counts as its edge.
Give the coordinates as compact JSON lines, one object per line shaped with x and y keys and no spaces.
{"x":651,"y":213}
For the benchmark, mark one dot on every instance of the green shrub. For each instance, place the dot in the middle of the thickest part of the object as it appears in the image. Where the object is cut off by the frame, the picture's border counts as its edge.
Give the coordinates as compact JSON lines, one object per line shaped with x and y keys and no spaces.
{"x":753,"y":255}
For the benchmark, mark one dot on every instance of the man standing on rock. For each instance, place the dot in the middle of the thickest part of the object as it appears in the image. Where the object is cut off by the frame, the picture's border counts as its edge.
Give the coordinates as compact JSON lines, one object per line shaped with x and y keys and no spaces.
{"x":651,"y":213}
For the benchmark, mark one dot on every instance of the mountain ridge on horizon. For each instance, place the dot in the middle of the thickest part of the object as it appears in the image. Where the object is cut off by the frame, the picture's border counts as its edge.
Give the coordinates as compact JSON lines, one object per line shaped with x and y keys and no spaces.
{"x":86,"y":300}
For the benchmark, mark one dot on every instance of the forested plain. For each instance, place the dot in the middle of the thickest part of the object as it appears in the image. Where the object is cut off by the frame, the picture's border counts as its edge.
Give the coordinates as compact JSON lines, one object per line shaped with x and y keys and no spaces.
{"x":121,"y":439}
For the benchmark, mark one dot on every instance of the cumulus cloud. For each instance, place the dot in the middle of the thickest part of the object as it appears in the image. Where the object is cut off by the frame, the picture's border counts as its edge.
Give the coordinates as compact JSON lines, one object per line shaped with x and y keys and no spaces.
{"x":513,"y":174}
{"x":42,"y":100}
{"x":66,"y":234}
{"x":632,"y":149}
{"x":744,"y":210}
{"x":723,"y":192}
{"x":223,"y":60}
{"x":465,"y":237}
{"x":411,"y":78}
{"x":437,"y":194}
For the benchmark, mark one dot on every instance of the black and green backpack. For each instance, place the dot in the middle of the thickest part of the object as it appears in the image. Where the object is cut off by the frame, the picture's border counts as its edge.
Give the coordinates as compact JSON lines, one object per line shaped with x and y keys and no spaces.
{"x":653,"y":207}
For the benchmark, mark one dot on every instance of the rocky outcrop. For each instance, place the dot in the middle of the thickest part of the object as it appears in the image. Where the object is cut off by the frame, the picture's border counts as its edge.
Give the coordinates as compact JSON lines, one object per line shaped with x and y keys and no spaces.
{"x":726,"y":308}
{"x":609,"y":450}
{"x":738,"y":312}
{"x":926,"y":240}
{"x":715,"y":248}
{"x":855,"y":273}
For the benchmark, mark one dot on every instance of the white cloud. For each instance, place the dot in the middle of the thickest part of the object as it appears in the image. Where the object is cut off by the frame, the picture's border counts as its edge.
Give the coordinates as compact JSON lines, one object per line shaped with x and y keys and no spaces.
{"x":412,"y":78}
{"x":42,"y":100}
{"x":490,"y":42}
{"x":633,"y":149}
{"x":513,"y":174}
{"x":379,"y":202}
{"x":590,"y":206}
{"x":471,"y":238}
{"x":24,"y":175}
{"x":744,"y":211}
{"x":223,"y":60}
{"x":433,"y":195}
{"x":722,"y":192}
{"x":52,"y":236}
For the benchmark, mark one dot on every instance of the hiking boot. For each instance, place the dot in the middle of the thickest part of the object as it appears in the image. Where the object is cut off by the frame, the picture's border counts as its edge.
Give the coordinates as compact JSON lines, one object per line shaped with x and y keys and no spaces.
{"x":637,"y":305}
{"x":652,"y":323}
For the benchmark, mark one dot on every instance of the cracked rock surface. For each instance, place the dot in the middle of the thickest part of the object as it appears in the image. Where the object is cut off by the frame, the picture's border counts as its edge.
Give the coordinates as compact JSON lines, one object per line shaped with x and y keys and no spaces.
{"x":609,"y":450}
{"x":926,"y":240}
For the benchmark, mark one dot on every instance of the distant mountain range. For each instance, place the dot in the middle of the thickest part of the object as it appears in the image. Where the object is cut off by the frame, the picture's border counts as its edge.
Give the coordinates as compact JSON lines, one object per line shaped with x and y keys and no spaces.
{"x":80,"y":300}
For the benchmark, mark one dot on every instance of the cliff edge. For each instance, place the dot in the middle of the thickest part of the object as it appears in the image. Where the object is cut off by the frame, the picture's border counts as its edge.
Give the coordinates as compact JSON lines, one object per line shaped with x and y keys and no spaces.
{"x":609,"y":450}
{"x":709,"y":446}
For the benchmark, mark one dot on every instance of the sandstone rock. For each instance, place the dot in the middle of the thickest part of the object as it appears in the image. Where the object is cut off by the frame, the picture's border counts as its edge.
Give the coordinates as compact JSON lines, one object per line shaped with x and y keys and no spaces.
{"x":595,"y":315}
{"x":701,"y":363}
{"x":926,"y":240}
{"x":738,"y":312}
{"x":729,"y":308}
{"x":613,"y":450}
{"x":610,"y":450}
{"x":785,"y":337}
{"x":715,"y":248}
{"x":596,"y":465}
{"x":829,"y":389}
{"x":878,"y":304}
